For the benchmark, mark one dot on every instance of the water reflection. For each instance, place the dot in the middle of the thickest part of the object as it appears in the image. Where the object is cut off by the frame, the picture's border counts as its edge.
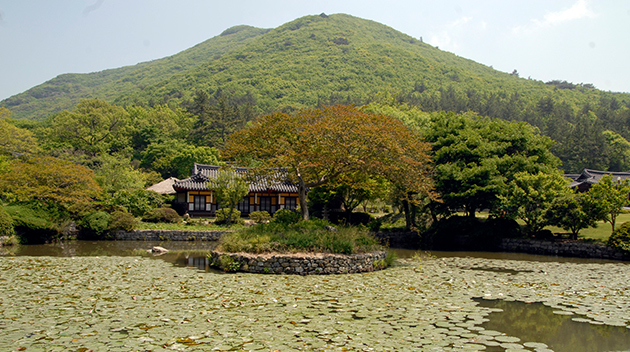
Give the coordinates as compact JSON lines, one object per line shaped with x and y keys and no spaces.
{"x":535,"y":322}
{"x":131,"y":248}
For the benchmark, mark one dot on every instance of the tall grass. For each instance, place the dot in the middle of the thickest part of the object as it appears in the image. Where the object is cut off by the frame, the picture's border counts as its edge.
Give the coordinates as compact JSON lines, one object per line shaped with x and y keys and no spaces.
{"x":304,"y":236}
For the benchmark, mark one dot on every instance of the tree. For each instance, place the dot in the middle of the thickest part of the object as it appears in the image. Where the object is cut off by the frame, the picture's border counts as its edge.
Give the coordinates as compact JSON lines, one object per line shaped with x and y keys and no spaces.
{"x":610,"y":196}
{"x":50,"y":180}
{"x":94,"y":126}
{"x":114,"y":173}
{"x":176,"y":158}
{"x":229,"y":188}
{"x":155,"y":124}
{"x":572,"y":212}
{"x":530,"y":196}
{"x":218,"y":117}
{"x":15,"y":141}
{"x":476,"y":157}
{"x":619,"y":151}
{"x":316,"y":146}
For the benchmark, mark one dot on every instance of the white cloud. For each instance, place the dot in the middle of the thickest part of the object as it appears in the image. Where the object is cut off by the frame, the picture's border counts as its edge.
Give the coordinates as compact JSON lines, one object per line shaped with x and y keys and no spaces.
{"x":579,"y":10}
{"x":443,"y":39}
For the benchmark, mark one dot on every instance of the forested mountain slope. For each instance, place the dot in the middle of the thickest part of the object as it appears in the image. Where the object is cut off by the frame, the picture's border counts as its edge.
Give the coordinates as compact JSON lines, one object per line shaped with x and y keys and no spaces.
{"x":66,"y":90}
{"x":325,"y":60}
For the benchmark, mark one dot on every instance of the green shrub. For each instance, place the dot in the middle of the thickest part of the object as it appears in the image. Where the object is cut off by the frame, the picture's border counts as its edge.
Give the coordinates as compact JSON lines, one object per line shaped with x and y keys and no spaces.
{"x":223,"y":216}
{"x":620,"y":238}
{"x":228,"y":264}
{"x":6,"y":223}
{"x":286,"y":216}
{"x":37,"y":222}
{"x":162,"y":215}
{"x":122,"y":220}
{"x":94,"y":224}
{"x":260,"y":216}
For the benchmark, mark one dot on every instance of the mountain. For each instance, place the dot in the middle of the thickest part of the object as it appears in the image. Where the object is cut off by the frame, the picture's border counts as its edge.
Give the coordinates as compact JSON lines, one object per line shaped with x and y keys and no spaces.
{"x":66,"y":90}
{"x":312,"y":60}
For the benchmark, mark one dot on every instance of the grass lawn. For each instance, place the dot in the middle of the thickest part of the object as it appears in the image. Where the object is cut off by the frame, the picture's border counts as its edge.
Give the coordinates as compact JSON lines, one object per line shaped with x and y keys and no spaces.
{"x":198,"y":226}
{"x":599,"y":233}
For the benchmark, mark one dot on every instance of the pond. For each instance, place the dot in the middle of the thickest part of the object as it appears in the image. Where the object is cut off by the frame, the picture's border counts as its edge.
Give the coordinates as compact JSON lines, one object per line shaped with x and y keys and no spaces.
{"x":112,"y":296}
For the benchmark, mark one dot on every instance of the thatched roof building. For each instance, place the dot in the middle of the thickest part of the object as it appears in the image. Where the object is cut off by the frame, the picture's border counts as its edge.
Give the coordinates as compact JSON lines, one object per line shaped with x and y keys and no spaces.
{"x":164,"y":187}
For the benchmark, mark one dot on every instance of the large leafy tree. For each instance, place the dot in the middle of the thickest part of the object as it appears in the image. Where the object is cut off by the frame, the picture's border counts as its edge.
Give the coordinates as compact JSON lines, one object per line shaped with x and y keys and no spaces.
{"x":94,"y":126}
{"x":610,"y":196}
{"x":476,"y":157}
{"x":530,"y":196}
{"x":318,"y":146}
{"x":573,"y":212}
{"x":50,"y":180}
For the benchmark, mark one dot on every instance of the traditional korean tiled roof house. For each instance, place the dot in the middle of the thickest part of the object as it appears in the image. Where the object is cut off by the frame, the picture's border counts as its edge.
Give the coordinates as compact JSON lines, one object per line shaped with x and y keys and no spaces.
{"x":193,"y":192}
{"x":588,"y":177}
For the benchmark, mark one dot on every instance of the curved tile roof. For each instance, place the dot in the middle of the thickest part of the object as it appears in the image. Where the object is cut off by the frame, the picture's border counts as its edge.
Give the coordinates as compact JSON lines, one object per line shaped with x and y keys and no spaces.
{"x":203,"y":173}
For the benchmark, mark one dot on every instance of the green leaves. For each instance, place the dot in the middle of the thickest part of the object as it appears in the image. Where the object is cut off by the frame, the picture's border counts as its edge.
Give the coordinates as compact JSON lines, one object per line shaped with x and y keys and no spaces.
{"x":475,"y":158}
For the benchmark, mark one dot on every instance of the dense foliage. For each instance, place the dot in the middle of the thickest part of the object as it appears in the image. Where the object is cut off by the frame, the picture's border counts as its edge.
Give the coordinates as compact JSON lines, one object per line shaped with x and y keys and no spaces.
{"x":476,"y":158}
{"x":6,"y":223}
{"x":620,"y":238}
{"x":48,"y":179}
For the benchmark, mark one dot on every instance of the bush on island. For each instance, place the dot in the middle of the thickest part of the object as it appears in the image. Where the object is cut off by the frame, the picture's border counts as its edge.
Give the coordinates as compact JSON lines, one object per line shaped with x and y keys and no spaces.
{"x":228,"y":216}
{"x":303,"y":236}
{"x":259,"y":216}
{"x":286,"y":216}
{"x":162,"y":215}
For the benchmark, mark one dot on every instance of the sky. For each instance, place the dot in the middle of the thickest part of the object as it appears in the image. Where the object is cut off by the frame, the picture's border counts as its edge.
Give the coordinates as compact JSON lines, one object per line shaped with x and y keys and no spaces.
{"x":580,"y":41}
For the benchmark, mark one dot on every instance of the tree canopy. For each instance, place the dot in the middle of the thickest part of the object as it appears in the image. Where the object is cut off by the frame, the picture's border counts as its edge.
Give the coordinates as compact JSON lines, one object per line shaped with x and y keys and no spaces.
{"x":48,"y":179}
{"x":317,"y":146}
{"x":476,"y":157}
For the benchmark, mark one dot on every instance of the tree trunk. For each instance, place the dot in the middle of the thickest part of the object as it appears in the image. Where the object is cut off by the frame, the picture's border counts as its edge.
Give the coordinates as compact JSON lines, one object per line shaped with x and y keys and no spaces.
{"x":406,"y":210}
{"x":303,"y":203}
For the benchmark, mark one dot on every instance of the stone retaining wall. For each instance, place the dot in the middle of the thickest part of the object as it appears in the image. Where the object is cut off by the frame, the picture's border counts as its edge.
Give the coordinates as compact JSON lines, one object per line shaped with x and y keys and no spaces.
{"x":561,"y":248}
{"x":168,"y":235}
{"x":301,"y":264}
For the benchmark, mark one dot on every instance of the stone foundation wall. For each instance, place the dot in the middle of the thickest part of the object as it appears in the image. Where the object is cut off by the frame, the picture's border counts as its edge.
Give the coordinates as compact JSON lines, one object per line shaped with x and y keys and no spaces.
{"x":168,"y":235}
{"x":301,"y":264}
{"x":561,"y":248}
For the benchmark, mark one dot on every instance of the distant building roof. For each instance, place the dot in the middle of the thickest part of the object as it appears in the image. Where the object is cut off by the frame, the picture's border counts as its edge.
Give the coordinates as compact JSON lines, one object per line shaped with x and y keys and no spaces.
{"x":590,"y":177}
{"x":203,"y":173}
{"x":164,"y":187}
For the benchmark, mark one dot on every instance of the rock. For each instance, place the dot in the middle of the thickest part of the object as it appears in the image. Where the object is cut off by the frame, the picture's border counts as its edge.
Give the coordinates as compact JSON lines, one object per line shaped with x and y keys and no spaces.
{"x":331,"y":228}
{"x":158,"y":250}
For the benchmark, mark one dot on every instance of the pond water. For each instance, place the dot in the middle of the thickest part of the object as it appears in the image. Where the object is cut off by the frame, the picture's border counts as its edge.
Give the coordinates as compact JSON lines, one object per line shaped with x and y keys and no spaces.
{"x":114,"y":296}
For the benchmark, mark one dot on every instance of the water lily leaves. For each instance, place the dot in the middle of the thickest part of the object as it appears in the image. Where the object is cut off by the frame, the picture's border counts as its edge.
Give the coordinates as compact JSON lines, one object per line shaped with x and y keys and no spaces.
{"x":119,"y":303}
